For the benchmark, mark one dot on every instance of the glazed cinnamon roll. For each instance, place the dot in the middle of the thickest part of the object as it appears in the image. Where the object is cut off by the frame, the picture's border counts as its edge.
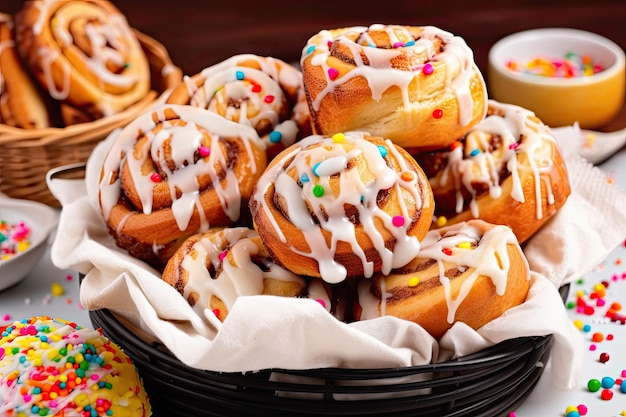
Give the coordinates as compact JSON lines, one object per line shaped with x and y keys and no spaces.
{"x":175,"y":171}
{"x":507,"y":170}
{"x":418,"y":86}
{"x":212,"y":269}
{"x":342,"y":206}
{"x":471,"y":272}
{"x":263,"y":92}
{"x":21,"y":102}
{"x":84,"y":54}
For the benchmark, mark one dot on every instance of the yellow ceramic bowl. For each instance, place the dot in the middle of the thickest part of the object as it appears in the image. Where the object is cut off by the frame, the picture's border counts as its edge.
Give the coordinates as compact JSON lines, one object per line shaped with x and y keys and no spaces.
{"x":592,"y":100}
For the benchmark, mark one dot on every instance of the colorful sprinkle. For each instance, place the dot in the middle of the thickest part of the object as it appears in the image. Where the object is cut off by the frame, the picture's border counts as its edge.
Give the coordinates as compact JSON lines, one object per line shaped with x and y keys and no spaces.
{"x":239,"y":75}
{"x":441,"y":221}
{"x":437,"y":113}
{"x":268,"y":98}
{"x":14,"y":239}
{"x":333,"y":73}
{"x":398,"y":221}
{"x":338,"y":137}
{"x":606,"y":394}
{"x":407,"y":176}
{"x":428,"y":69}
{"x":413,"y":281}
{"x":57,"y":289}
{"x":204,"y":151}
{"x":304,"y":178}
{"x":570,"y":66}
{"x":604,"y":357}
{"x":310,"y":49}
{"x":474,"y":152}
{"x":156,"y":177}
{"x":256,"y":88}
{"x":383,"y":151}
{"x":593,"y":385}
{"x":318,"y":190}
{"x":275,"y":136}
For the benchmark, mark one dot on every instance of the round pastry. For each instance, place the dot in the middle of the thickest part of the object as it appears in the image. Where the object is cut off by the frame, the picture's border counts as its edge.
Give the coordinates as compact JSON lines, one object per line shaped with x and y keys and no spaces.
{"x":418,"y":86}
{"x":21,"y":102}
{"x":342,"y":206}
{"x":507,"y":170}
{"x":175,"y":171}
{"x":84,"y":53}
{"x":52,"y":367}
{"x":263,"y":92}
{"x":212,"y":269}
{"x":471,"y":272}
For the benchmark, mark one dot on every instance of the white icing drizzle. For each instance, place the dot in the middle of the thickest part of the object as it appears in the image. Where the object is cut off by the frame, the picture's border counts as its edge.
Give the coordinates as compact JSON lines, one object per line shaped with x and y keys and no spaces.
{"x":184,"y":141}
{"x":236,"y":81}
{"x":243,"y":277}
{"x":329,"y":209}
{"x":111,"y":41}
{"x":379,"y":73}
{"x":468,"y":245}
{"x":473,"y":163}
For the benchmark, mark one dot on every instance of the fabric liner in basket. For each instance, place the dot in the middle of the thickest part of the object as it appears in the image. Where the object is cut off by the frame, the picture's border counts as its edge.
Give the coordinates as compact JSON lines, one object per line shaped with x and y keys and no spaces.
{"x":265,"y":332}
{"x":27,"y":155}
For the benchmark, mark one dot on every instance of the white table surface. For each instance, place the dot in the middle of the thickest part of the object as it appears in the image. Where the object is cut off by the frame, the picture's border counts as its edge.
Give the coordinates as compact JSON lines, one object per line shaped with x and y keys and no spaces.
{"x":33,"y":296}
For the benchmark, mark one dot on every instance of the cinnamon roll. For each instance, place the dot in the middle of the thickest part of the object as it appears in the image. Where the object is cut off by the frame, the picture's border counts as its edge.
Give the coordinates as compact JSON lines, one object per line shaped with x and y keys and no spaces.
{"x":418,"y":86}
{"x":342,"y":206}
{"x":212,"y":269}
{"x":85,"y":55}
{"x":263,"y":92}
{"x":21,"y":102}
{"x":471,"y":272}
{"x":507,"y":170}
{"x":175,"y":171}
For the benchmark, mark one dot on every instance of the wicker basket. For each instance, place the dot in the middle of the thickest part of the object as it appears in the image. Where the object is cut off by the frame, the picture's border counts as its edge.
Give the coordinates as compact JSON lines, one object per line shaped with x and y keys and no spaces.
{"x":492,"y":382}
{"x":27,"y":155}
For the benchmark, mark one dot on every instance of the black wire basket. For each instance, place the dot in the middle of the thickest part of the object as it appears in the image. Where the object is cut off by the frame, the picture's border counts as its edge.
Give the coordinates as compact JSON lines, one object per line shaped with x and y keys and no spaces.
{"x":491,"y":382}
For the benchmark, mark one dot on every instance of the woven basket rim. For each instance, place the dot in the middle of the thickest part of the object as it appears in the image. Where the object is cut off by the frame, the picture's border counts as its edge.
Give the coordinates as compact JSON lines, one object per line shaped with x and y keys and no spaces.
{"x":80,"y":132}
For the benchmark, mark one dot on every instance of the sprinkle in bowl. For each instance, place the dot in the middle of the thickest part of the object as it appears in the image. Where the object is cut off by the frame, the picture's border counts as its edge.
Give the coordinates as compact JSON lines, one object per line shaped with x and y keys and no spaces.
{"x":563,"y":75}
{"x":24,"y":229}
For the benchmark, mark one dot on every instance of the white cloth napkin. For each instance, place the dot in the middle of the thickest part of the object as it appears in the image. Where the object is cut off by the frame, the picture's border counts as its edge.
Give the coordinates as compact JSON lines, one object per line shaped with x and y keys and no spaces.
{"x":264,"y":332}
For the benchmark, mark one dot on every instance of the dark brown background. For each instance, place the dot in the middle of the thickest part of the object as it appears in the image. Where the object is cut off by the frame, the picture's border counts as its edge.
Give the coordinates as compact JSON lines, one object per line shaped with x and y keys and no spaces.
{"x":198,"y":33}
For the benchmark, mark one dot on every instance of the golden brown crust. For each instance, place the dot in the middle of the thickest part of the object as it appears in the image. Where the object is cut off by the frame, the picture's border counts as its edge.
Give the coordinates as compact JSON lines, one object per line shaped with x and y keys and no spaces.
{"x":350,"y":225}
{"x":415,"y":292}
{"x":381,"y":87}
{"x":512,"y":176}
{"x":212,"y":269}
{"x":158,"y":187}
{"x":21,"y":103}
{"x":89,"y":57}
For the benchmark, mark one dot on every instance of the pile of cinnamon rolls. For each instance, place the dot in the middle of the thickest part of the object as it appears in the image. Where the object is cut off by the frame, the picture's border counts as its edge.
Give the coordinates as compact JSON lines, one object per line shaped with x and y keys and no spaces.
{"x":376,"y":178}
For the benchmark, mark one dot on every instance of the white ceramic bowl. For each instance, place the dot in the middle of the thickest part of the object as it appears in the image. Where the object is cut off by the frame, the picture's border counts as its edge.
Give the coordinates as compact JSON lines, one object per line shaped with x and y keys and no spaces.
{"x":592,"y":100}
{"x":41,"y":219}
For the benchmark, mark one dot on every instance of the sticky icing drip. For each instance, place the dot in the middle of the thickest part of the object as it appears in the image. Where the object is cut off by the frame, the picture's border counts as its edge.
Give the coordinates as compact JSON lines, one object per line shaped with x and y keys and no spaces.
{"x":474,"y":164}
{"x":239,"y":269}
{"x":142,"y":144}
{"x":379,"y":71}
{"x":354,"y":189}
{"x":251,"y":96}
{"x":472,"y":249}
